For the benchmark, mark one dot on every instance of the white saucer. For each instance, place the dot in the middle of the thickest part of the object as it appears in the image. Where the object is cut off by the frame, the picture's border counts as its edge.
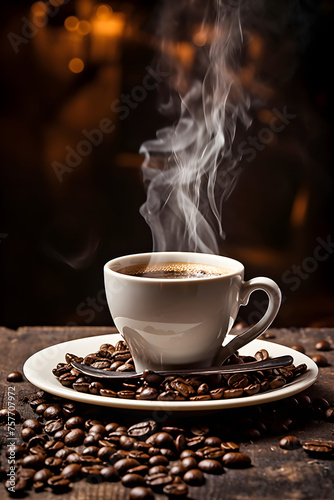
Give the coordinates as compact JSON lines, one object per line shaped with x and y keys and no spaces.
{"x":38,"y":370}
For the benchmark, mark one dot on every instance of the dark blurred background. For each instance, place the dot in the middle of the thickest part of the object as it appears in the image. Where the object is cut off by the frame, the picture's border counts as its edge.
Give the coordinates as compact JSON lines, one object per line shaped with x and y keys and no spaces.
{"x":75,"y":106}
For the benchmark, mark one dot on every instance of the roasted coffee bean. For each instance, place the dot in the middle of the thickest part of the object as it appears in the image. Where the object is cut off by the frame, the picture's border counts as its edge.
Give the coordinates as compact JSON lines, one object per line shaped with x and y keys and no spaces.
{"x":261,"y":355}
{"x":27,"y":433}
{"x":41,"y":408}
{"x":60,"y":435}
{"x":14,"y":377}
{"x":53,"y":426}
{"x":152,"y":378}
{"x":320,"y":449}
{"x":233,"y":393}
{"x":37,"y":450}
{"x":92,"y":439}
{"x":210,"y":452}
{"x":140,"y":469}
{"x":320,"y":360}
{"x":139,"y":455}
{"x":217,"y":393}
{"x":159,"y":480}
{"x":90,"y":422}
{"x":42,"y":475}
{"x":161,"y":440}
{"x":289,"y":443}
{"x":33,"y":461}
{"x":229,"y":446}
{"x":180,"y":443}
{"x":329,"y":414}
{"x":69,"y":409}
{"x":141,"y":493}
{"x":158,"y":460}
{"x":211,"y":466}
{"x":177,"y":470}
{"x":27,"y":475}
{"x":212,"y":441}
{"x":236,"y":460}
{"x":81,"y":387}
{"x":195,"y":442}
{"x":143,"y":429}
{"x":299,"y":348}
{"x":194,"y":477}
{"x":53,"y":463}
{"x":108,"y":393}
{"x":180,"y":385}
{"x":189,"y":463}
{"x":200,"y":430}
{"x":75,"y":422}
{"x":126,"y":442}
{"x":75,"y":437}
{"x":323,"y":345}
{"x":20,"y":486}
{"x":148,"y":393}
{"x":132,"y":480}
{"x":175,"y":490}
{"x":238,"y":380}
{"x":95,"y":387}
{"x":188,"y":453}
{"x":72,"y":357}
{"x":32,"y":423}
{"x":124,"y":464}
{"x":71,"y":471}
{"x":157,"y":469}
{"x":36,"y":440}
{"x":91,"y":450}
{"x":105,"y":452}
{"x":277,"y":382}
{"x":58,"y":484}
{"x":110,"y":474}
{"x":92,"y":473}
{"x":52,"y":412}
{"x":18,"y":450}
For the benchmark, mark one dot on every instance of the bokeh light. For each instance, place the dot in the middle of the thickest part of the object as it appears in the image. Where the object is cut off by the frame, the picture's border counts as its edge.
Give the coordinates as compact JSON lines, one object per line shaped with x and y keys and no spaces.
{"x":76,"y":65}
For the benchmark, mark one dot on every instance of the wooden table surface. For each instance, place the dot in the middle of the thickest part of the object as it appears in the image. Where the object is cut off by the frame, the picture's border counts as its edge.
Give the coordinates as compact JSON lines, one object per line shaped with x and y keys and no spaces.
{"x":276,"y":473}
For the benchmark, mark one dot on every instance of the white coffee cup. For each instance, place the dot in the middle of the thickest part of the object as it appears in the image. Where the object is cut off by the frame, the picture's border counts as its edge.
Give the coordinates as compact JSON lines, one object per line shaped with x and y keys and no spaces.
{"x":180,"y":323}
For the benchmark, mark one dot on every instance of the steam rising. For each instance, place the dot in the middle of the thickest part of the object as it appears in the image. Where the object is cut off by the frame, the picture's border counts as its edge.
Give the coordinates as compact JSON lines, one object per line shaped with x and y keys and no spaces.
{"x":190,"y":168}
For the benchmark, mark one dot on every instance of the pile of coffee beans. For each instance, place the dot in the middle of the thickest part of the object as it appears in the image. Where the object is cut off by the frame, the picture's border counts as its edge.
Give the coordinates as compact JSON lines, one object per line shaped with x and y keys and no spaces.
{"x":65,"y":442}
{"x":153,"y":386}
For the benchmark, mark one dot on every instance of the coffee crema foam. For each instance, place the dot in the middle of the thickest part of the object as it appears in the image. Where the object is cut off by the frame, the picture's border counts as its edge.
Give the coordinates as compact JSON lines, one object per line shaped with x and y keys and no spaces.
{"x":174,"y":270}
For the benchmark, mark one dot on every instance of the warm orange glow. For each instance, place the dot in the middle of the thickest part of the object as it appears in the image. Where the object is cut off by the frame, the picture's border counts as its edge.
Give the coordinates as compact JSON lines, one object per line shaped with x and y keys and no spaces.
{"x":200,"y":38}
{"x":255,"y":47}
{"x":76,"y":65}
{"x":84,"y":28}
{"x":113,"y":26}
{"x":265,"y":115}
{"x":56,"y":3}
{"x":299,"y":208}
{"x":38,"y":8}
{"x":103,"y":12}
{"x":71,"y":23}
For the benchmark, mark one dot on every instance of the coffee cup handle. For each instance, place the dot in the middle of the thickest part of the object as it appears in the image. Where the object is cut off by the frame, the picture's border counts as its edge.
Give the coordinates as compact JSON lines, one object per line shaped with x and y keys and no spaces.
{"x":275,"y":297}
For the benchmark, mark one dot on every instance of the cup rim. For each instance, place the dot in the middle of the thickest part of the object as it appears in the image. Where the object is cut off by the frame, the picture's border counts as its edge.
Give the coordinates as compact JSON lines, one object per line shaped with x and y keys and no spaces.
{"x":237,"y":267}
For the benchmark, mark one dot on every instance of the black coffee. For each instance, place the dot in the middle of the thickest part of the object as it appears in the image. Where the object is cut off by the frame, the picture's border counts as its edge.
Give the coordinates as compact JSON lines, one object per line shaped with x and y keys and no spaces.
{"x":174,"y":270}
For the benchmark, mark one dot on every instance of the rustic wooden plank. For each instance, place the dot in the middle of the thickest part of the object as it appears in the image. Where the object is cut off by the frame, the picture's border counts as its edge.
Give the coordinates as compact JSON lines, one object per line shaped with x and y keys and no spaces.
{"x":276,"y":473}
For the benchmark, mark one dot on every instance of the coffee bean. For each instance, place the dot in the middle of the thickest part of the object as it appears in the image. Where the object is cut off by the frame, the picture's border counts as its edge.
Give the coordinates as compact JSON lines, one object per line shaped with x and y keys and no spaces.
{"x":320,"y":360}
{"x":14,"y":377}
{"x":53,"y":463}
{"x":140,"y":469}
{"x":124,"y":464}
{"x":299,"y":348}
{"x":91,"y":451}
{"x":143,"y":429}
{"x":32,"y":423}
{"x":152,"y":378}
{"x":188,"y":453}
{"x":20,"y":486}
{"x":53,"y":426}
{"x":75,"y":422}
{"x":132,"y":480}
{"x":27,"y":475}
{"x":158,"y":460}
{"x":27,"y":433}
{"x":74,"y":438}
{"x":52,"y":412}
{"x":148,"y":393}
{"x":159,"y":480}
{"x":71,"y":471}
{"x":194,"y":477}
{"x":329,"y":414}
{"x":33,"y":461}
{"x":289,"y":443}
{"x":189,"y":463}
{"x":17,"y":450}
{"x":58,"y":484}
{"x":141,"y":493}
{"x":320,"y":449}
{"x":323,"y":345}
{"x":236,"y":460}
{"x":110,"y":474}
{"x":261,"y":355}
{"x":211,"y":466}
{"x":175,"y":490}
{"x":42,"y":475}
{"x":229,"y":446}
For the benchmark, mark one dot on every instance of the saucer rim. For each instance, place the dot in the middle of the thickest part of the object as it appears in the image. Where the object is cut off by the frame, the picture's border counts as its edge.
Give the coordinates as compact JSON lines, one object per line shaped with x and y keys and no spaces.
{"x":38,"y":370}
